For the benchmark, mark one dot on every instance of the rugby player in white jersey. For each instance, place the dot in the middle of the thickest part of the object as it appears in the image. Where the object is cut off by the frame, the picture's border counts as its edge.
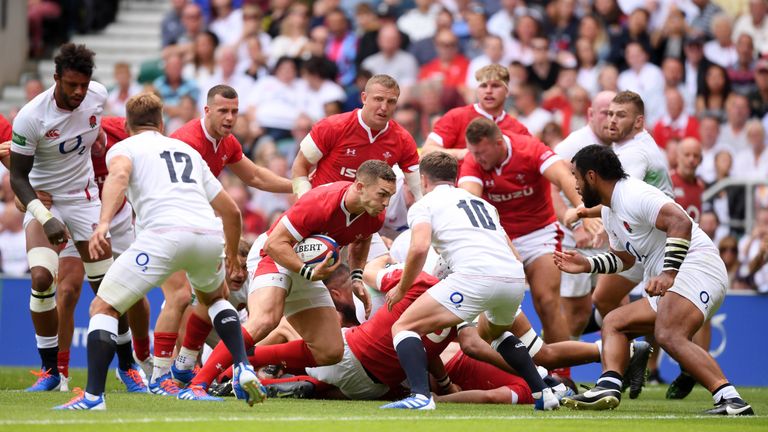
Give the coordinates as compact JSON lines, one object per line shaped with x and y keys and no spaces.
{"x":174,"y":196}
{"x":488,"y":281}
{"x":50,"y":152}
{"x":685,"y":279}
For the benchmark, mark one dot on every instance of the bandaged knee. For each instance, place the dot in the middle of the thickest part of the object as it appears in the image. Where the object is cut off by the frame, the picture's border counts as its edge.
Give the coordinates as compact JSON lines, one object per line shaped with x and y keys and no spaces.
{"x":95,"y":271}
{"x":43,"y":301}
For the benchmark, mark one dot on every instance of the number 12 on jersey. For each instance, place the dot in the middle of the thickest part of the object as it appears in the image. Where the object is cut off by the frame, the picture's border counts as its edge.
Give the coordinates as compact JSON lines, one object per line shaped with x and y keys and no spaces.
{"x":477,"y":212}
{"x":179,"y":157}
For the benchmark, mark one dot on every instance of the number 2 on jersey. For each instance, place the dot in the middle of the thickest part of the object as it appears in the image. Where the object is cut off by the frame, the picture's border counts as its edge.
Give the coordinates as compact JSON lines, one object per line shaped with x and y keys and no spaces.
{"x":179,"y":157}
{"x":477,"y":212}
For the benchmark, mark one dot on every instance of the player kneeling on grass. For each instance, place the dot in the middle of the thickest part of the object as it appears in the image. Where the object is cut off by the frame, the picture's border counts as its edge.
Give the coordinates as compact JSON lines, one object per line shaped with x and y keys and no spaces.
{"x":686,"y":279}
{"x":174,"y":196}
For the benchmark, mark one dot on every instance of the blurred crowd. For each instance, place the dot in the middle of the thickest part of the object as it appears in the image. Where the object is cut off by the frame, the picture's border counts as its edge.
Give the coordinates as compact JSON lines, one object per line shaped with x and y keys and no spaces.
{"x":701,"y":67}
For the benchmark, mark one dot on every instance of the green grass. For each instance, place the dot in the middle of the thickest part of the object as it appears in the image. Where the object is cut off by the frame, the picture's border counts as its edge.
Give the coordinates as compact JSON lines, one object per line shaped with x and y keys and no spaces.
{"x":21,"y":411}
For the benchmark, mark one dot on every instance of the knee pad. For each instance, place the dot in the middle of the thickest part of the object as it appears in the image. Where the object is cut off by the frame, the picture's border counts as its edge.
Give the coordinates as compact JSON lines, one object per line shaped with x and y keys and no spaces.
{"x":43,"y":301}
{"x":95,"y":271}
{"x":532,"y":341}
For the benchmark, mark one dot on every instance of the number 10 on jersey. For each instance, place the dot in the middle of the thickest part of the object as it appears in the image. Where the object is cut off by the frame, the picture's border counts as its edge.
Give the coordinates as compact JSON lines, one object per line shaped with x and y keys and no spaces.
{"x":476,"y":211}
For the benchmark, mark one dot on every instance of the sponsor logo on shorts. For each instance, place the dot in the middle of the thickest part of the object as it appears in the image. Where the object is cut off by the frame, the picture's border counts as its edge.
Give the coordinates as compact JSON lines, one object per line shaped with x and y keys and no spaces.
{"x":456,"y":298}
{"x":704,"y":297}
{"x":142,"y":259}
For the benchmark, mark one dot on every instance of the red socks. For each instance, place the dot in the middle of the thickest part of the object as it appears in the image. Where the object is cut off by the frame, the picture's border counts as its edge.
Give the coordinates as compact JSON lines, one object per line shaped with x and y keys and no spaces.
{"x":141,"y":348}
{"x":293,"y":355}
{"x":62,"y":363}
{"x":198,"y":330}
{"x":164,"y":344}
{"x":218,"y":361}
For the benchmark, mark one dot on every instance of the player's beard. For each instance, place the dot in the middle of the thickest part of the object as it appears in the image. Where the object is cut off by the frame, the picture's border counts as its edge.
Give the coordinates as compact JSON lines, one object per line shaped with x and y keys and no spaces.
{"x":589,"y":196}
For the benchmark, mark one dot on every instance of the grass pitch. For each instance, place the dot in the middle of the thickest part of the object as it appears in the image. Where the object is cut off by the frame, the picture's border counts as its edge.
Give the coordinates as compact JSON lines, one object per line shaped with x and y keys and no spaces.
{"x":21,"y":411}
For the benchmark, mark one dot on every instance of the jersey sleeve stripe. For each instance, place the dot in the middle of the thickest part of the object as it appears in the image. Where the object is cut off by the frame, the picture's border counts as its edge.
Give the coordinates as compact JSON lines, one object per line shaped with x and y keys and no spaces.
{"x":289,"y":226}
{"x":310,"y":149}
{"x":548,"y":163}
{"x":471,"y":179}
{"x":436,"y":138}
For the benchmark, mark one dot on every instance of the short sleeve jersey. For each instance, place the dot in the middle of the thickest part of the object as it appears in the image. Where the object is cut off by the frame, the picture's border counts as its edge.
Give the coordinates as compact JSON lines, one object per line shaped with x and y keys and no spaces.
{"x":449,"y":131}
{"x":631,"y":224}
{"x":517,"y":188}
{"x":322,"y":211}
{"x":114,"y":130}
{"x":61,"y":143}
{"x":216,"y":155}
{"x":371,"y":342}
{"x":466,"y":232}
{"x":642,"y":159}
{"x":345,"y":142}
{"x":5,"y":129}
{"x":170,"y":187}
{"x":688,"y":195}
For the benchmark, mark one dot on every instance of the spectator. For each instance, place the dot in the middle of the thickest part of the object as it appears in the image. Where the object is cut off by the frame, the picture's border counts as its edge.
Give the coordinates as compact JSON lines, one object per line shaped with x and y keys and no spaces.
{"x":529,"y":113}
{"x":714,"y":91}
{"x":407,"y":116}
{"x":270,"y":202}
{"x":543,"y":70}
{"x":292,"y":41}
{"x":687,"y":187}
{"x":673,"y":71}
{"x":645,"y":79}
{"x":552,"y":134}
{"x":253,"y":19}
{"x":171,"y":27}
{"x":721,"y":49}
{"x":520,"y":48}
{"x":37,"y":12}
{"x":493,"y":52}
{"x":734,"y":133}
{"x":278,"y":10}
{"x":753,"y":253}
{"x":193,"y":22}
{"x":392,"y":60}
{"x":562,"y":24}
{"x":255,"y":64}
{"x":608,"y":78}
{"x":669,"y":40}
{"x":341,"y":46}
{"x":318,"y":89}
{"x":203,"y":64}
{"x":13,"y":259}
{"x":710,"y":224}
{"x":588,"y":71}
{"x":421,"y":22}
{"x":187,"y":111}
{"x":729,"y":253}
{"x":703,"y":15}
{"x":755,"y":24}
{"x":125,"y":87}
{"x":636,"y":31}
{"x":676,"y":123}
{"x":758,"y":98}
{"x":709,"y":131}
{"x":742,"y":73}
{"x":226,"y":73}
{"x":752,"y":162}
{"x":450,"y":67}
{"x":696,"y":65}
{"x":502,"y":23}
{"x":472,"y":46}
{"x":425,"y":49}
{"x":226,"y":22}
{"x":272,"y":105}
{"x":591,"y":29}
{"x":353,"y":92}
{"x":171,"y":85}
{"x":367,"y":25}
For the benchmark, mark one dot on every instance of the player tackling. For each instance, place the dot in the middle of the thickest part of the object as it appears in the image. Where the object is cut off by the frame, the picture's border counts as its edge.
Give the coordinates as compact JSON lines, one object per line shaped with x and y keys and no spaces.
{"x":686,"y":279}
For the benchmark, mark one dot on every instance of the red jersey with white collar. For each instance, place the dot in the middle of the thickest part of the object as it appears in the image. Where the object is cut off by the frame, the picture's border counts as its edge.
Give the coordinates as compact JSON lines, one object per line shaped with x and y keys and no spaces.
{"x":449,"y":131}
{"x":345,"y":142}
{"x":371,"y":342}
{"x":227,"y":151}
{"x":688,"y":195}
{"x":517,"y":188}
{"x":322,"y":211}
{"x":114,"y":130}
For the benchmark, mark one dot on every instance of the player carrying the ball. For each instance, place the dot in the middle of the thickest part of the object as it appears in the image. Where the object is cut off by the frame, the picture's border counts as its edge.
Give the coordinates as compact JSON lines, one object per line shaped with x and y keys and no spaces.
{"x":281,"y":283}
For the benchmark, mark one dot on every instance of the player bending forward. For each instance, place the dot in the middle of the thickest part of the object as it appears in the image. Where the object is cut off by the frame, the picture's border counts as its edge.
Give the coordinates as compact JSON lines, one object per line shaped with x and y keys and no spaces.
{"x":487,"y":278}
{"x":174,"y":196}
{"x":686,"y":279}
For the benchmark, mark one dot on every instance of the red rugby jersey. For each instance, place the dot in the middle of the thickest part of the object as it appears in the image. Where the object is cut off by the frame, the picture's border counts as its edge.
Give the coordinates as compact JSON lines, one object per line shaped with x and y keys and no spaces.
{"x":216,"y":155}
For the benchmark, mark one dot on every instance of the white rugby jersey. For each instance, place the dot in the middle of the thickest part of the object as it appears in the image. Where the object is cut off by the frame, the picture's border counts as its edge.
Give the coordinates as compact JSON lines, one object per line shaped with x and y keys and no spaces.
{"x":466,"y":232}
{"x":642,"y":159}
{"x":630,"y":222}
{"x":61,"y":143}
{"x":171,"y":187}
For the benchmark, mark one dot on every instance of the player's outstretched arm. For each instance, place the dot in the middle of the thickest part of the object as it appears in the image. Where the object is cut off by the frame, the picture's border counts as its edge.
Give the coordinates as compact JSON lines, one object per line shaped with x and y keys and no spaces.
{"x":260,"y":177}
{"x":233,"y":228}
{"x":431,"y":145}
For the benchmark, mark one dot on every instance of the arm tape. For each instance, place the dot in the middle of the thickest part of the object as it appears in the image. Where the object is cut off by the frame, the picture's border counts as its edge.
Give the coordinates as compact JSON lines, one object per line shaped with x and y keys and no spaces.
{"x":675,"y":251}
{"x":605,"y":263}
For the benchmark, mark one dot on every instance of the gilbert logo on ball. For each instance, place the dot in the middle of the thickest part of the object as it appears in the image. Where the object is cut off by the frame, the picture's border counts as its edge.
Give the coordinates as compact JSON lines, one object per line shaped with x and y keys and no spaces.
{"x":313,"y":249}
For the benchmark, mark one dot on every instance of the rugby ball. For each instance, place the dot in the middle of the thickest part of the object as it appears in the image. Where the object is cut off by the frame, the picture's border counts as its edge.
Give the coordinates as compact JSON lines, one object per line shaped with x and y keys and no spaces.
{"x":313,"y":249}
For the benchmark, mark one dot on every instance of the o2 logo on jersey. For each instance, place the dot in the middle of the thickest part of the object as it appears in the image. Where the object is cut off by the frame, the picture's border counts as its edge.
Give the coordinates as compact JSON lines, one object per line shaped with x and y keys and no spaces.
{"x":78,"y":146}
{"x":526,"y":192}
{"x":631,"y":249}
{"x":348,"y":172}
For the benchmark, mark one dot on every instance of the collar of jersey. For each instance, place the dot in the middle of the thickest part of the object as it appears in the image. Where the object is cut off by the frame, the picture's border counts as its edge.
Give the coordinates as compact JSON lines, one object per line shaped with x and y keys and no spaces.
{"x":350,"y":220}
{"x":371,"y":138}
{"x":509,"y":155}
{"x":487,"y":115}
{"x":205,"y":132}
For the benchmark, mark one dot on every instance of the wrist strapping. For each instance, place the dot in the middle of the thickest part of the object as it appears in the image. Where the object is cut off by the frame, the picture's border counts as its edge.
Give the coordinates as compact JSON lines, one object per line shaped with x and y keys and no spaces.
{"x":675,"y":251}
{"x":37,"y":209}
{"x":306,"y":272}
{"x":605,"y":263}
{"x":444,"y":382}
{"x":356,"y":275}
{"x":301,"y":185}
